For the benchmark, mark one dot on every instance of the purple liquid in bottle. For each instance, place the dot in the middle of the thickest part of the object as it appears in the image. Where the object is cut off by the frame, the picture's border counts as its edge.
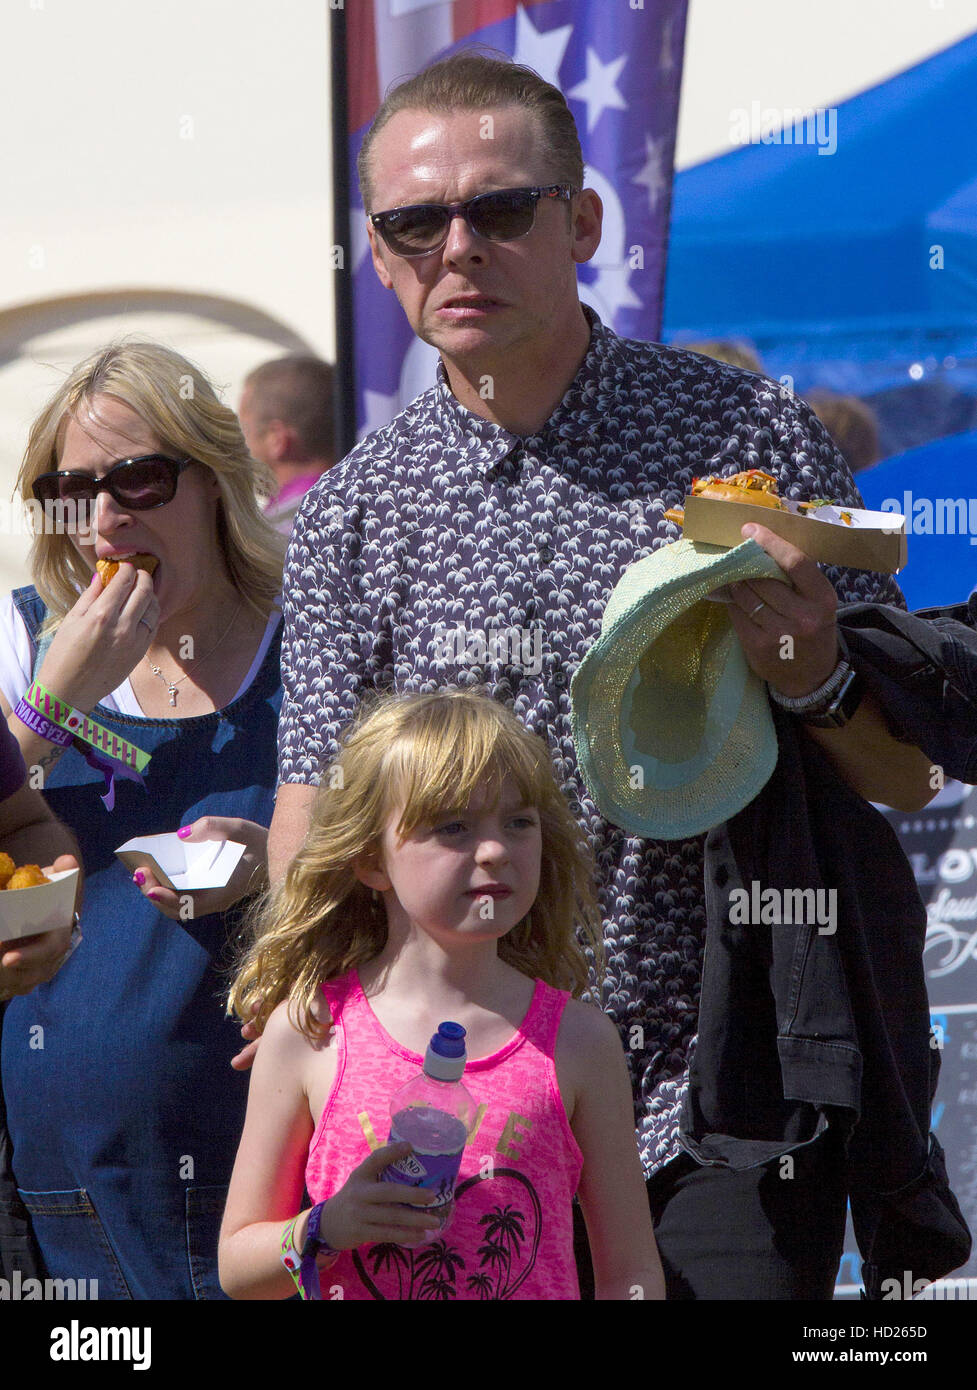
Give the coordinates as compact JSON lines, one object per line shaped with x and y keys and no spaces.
{"x":434,"y":1113}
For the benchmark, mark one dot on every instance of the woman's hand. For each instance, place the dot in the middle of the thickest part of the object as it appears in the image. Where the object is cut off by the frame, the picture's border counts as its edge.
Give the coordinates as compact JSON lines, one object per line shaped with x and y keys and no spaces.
{"x":368,"y":1211}
{"x":101,"y":638}
{"x":249,"y":875}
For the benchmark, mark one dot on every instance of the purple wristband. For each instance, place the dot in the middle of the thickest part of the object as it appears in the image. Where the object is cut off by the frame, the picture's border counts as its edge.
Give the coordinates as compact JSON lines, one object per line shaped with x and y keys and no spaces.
{"x":37,"y":722}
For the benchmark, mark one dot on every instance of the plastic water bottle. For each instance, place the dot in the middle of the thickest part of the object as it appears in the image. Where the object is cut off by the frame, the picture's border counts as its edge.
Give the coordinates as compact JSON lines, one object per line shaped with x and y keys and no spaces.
{"x":434,"y":1113}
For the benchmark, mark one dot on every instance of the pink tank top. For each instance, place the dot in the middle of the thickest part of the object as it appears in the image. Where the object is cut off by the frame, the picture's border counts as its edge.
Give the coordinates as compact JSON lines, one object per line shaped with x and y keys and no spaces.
{"x":512,"y":1231}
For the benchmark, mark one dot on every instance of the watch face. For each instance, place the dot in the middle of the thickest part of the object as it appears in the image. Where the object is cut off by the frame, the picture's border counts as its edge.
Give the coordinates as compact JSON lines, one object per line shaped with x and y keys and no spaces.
{"x":842,"y":707}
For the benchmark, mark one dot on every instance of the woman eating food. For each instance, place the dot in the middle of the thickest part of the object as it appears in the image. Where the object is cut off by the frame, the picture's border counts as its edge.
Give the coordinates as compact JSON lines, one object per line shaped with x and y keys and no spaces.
{"x":140,"y":675}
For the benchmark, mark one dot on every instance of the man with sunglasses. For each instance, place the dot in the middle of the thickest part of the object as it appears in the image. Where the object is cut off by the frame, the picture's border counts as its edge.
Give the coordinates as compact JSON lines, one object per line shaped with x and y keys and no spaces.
{"x":509,"y":498}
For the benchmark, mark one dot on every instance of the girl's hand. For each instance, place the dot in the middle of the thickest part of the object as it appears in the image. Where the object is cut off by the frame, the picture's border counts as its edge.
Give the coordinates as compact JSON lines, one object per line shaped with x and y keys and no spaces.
{"x":366,"y":1211}
{"x":249,"y":875}
{"x":101,"y":638}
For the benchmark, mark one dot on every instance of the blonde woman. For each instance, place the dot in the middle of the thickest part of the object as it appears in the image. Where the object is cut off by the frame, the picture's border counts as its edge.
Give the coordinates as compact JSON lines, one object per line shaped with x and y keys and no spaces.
{"x":443,"y":878}
{"x":124,"y":1121}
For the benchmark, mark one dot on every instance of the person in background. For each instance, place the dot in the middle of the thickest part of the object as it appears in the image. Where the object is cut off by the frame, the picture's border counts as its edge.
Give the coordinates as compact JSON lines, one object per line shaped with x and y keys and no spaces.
{"x":725,"y":350}
{"x":851,"y":424}
{"x":286,"y":413}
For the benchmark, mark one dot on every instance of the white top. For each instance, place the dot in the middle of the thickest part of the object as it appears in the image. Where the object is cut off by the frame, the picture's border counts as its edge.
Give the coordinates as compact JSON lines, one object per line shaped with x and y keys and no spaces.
{"x":16,"y":662}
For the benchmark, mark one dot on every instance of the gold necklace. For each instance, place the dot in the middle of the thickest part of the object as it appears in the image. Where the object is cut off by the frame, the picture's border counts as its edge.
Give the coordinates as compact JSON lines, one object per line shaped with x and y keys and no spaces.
{"x":172,"y":685}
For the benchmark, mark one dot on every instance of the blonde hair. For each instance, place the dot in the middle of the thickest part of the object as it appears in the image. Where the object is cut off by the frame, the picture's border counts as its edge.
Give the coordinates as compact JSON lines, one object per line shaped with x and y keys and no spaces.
{"x":178,"y":403}
{"x":424,"y":755}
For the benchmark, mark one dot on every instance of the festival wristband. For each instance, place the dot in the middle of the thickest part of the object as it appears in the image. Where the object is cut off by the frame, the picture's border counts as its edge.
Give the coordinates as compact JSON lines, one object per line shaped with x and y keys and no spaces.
{"x":106,"y":752}
{"x":41,"y":726}
{"x":301,"y":1264}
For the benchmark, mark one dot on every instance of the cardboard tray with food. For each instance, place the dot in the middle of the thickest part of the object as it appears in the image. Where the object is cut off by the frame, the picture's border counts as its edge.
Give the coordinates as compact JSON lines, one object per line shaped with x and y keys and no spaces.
{"x":824,"y":529}
{"x":45,"y":905}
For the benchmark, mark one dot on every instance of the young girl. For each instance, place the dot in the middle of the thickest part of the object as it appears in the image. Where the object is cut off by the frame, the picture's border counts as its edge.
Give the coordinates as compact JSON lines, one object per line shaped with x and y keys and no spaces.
{"x":442,"y":879}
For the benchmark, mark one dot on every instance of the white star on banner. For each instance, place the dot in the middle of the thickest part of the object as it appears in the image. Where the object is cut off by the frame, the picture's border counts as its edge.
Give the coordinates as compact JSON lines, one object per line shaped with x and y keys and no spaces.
{"x":599,"y":89}
{"x":653,"y":173}
{"x":613,"y":286}
{"x":543,"y":52}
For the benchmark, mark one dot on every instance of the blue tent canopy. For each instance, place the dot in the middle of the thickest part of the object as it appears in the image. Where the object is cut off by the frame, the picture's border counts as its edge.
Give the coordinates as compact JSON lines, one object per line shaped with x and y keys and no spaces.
{"x":935,"y":486}
{"x":782,"y":242}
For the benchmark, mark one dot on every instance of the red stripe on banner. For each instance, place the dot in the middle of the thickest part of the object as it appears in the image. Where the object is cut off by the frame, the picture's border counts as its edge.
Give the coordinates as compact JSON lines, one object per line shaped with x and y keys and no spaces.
{"x":363,"y":84}
{"x":470,"y":15}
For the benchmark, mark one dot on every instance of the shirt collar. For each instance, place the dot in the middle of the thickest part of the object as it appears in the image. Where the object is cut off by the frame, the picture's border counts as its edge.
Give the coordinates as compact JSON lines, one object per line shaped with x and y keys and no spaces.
{"x":579,"y":415}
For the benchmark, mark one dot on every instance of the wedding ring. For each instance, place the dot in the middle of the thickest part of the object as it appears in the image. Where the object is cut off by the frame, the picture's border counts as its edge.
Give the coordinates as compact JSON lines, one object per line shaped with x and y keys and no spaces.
{"x":145,"y":624}
{"x":754,"y":611}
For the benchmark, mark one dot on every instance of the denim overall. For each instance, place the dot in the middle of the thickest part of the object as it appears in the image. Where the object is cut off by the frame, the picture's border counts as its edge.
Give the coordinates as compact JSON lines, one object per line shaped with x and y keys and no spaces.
{"x":122,"y":1107}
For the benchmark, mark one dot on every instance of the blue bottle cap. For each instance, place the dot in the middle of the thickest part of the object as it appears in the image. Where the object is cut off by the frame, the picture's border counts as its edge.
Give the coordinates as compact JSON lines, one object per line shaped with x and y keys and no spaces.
{"x":449,"y":1040}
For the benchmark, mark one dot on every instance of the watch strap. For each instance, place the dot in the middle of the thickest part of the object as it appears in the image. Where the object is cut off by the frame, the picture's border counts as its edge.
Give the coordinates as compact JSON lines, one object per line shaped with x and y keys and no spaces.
{"x":843,"y":705}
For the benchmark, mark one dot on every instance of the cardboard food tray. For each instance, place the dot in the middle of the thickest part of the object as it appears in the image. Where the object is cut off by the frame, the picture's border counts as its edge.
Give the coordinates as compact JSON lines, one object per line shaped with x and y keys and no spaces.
{"x":181,"y":866}
{"x":877,"y":540}
{"x":26,"y":911}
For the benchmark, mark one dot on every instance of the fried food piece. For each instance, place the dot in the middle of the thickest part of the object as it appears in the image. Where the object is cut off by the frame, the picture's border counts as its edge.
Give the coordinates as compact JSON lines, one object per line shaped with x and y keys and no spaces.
{"x":7,"y":867}
{"x":753,"y":486}
{"x":109,"y":567}
{"x":27,"y":876}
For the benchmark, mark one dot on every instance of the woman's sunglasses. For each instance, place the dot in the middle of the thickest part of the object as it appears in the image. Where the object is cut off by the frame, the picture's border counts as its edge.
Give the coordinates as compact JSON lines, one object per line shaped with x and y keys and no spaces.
{"x":503,"y":216}
{"x":137,"y":484}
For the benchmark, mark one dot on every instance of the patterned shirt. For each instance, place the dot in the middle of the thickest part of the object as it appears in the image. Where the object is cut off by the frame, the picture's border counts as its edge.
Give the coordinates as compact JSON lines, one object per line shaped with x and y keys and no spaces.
{"x":445,"y":550}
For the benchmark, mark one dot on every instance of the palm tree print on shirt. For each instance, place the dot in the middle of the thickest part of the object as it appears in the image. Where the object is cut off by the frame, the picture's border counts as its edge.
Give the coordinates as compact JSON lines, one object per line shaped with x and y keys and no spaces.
{"x":505,"y":1256}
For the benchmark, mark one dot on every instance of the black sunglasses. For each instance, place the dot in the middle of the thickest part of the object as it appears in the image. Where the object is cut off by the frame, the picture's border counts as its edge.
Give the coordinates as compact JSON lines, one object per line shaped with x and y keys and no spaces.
{"x":421,"y":228}
{"x":137,"y":484}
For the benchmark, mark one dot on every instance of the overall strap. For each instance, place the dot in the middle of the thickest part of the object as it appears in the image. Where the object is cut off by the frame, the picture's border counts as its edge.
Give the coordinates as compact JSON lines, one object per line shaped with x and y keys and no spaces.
{"x":30,"y":606}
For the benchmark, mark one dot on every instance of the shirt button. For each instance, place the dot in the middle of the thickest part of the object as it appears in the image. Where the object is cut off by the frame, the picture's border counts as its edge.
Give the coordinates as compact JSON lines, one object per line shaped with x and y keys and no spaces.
{"x":545,"y":553}
{"x":559,"y":678}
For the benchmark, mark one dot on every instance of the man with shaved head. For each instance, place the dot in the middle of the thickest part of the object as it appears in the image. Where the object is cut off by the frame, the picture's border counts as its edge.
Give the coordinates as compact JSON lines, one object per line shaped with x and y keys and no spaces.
{"x":286,"y":413}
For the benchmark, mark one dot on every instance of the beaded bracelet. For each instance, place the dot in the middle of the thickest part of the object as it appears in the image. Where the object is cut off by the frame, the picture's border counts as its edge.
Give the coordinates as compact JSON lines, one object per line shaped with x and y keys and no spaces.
{"x":813,"y":702}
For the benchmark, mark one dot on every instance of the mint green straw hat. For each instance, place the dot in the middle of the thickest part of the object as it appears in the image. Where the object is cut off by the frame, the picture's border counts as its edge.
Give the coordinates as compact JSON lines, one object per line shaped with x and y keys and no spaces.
{"x":672,"y":728}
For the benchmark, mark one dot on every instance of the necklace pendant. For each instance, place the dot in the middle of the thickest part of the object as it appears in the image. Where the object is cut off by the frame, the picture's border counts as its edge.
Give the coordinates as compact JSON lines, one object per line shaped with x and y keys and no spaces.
{"x":172,"y":694}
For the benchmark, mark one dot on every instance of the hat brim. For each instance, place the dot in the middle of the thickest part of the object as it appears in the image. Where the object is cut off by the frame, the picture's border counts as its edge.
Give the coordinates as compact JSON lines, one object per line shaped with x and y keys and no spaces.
{"x":656,"y":766}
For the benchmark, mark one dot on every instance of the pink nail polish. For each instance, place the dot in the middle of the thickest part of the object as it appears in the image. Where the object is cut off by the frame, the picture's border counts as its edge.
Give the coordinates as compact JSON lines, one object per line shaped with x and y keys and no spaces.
{"x":139,"y":877}
{"x":153,"y":893}
{"x":184,"y":831}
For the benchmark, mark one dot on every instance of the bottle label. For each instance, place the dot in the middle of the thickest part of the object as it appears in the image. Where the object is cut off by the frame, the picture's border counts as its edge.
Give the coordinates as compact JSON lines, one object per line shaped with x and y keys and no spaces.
{"x":438,"y":1140}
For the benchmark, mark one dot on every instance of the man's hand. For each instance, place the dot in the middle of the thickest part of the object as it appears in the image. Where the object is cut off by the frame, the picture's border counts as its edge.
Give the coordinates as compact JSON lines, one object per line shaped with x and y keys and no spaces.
{"x":766,"y":612}
{"x":244,"y":1060}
